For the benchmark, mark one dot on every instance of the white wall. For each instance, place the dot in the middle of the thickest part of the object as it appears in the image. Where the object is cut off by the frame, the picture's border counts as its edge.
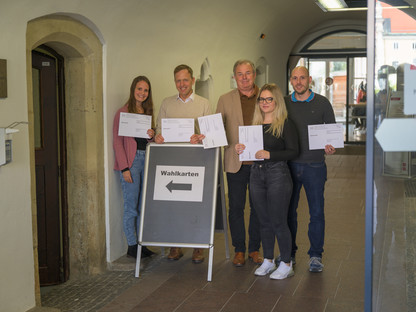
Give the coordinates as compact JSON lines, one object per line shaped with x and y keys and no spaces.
{"x":141,"y":37}
{"x":16,"y":247}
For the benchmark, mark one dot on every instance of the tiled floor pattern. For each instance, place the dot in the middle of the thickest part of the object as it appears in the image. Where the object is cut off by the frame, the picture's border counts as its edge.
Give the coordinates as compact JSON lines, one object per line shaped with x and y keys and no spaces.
{"x":182,"y":286}
{"x":89,"y":294}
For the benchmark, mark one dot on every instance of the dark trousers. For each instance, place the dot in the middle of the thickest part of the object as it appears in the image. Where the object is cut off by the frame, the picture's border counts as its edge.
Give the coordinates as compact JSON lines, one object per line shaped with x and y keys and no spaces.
{"x":271,"y":189}
{"x":237,"y":191}
{"x":312,"y":176}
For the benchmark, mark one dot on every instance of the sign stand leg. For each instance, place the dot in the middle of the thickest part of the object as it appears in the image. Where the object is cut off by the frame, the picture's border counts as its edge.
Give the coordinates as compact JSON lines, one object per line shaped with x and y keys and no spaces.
{"x":223,"y":208}
{"x":210,"y":261}
{"x":139,"y":254}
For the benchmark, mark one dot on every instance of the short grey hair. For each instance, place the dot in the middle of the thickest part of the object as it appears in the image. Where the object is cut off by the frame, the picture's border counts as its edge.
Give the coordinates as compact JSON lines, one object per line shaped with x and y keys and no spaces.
{"x":240,"y":62}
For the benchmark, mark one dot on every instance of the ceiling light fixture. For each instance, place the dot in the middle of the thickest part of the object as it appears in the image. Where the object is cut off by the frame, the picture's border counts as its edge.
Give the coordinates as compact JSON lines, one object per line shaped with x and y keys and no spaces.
{"x":348,"y":5}
{"x":328,"y":5}
{"x":365,"y":8}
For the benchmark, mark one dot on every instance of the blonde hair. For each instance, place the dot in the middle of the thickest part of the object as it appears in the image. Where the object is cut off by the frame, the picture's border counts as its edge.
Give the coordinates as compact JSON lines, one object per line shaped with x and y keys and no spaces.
{"x":279,"y":114}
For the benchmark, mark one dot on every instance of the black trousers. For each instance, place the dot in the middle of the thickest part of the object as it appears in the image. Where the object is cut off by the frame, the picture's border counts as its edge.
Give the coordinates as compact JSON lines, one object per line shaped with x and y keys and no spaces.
{"x":271,"y":189}
{"x":238,"y":184}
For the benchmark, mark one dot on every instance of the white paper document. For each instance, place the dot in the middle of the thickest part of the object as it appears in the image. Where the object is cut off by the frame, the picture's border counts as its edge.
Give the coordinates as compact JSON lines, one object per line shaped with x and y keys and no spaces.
{"x":134,"y":125}
{"x":252,"y":138}
{"x":212,"y":127}
{"x":321,"y":135}
{"x":177,"y":129}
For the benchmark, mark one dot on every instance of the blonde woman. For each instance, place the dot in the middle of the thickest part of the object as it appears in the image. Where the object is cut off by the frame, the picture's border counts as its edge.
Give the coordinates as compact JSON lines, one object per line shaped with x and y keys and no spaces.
{"x":270,"y":181}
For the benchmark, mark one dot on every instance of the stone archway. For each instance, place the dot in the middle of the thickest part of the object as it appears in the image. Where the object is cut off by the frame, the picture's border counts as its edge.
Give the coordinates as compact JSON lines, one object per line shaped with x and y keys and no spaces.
{"x":82,"y":50}
{"x":331,"y":26}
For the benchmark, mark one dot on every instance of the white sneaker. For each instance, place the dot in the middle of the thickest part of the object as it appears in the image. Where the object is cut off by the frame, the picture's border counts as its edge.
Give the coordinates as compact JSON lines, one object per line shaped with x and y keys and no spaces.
{"x":283,"y":271}
{"x":265,"y":268}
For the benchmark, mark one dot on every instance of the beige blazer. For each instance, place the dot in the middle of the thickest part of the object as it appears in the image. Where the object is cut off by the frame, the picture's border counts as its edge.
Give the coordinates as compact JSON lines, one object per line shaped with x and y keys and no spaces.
{"x":229,"y":105}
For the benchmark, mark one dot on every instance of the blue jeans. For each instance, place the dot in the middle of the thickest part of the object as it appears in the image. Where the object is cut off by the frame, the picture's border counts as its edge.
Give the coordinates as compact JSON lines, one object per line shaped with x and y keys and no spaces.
{"x":313,"y":177}
{"x":132,"y":198}
{"x":237,"y":190}
{"x":271,"y":189}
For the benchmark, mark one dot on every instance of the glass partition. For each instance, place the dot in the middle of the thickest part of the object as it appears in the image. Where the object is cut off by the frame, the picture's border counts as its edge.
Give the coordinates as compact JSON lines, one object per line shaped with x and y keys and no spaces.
{"x":391,"y":189}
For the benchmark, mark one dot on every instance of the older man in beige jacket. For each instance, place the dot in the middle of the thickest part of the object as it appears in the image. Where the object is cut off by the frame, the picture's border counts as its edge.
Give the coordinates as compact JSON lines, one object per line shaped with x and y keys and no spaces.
{"x":237,"y":108}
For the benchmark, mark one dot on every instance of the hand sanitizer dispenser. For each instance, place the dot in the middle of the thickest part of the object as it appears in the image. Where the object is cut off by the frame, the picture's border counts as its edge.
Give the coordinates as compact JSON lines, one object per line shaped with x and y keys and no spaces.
{"x":6,"y":145}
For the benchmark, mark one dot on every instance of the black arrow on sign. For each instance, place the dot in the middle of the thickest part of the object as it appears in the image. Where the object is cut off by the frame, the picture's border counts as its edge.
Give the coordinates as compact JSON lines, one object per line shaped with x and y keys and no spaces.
{"x":178,"y":186}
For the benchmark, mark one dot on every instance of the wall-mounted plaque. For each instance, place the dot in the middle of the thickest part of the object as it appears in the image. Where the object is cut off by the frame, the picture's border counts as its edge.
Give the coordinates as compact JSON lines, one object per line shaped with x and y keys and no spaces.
{"x":3,"y":78}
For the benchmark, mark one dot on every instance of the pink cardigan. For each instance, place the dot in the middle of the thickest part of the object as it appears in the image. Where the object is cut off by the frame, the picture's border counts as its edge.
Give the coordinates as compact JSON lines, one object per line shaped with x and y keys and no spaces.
{"x":124,"y":147}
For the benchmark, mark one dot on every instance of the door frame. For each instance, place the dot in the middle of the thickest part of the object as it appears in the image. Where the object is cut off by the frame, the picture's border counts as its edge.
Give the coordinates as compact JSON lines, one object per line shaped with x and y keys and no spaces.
{"x":82,"y":48}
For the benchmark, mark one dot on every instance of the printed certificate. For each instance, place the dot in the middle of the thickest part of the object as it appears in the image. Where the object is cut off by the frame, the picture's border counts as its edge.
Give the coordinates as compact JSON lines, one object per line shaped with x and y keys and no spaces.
{"x":321,"y":135}
{"x":212,"y":127}
{"x":134,"y":125}
{"x":178,"y":129}
{"x":252,"y":138}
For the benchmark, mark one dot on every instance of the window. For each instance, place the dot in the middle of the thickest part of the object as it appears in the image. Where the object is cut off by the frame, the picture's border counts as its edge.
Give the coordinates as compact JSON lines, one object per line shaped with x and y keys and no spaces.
{"x":346,"y":40}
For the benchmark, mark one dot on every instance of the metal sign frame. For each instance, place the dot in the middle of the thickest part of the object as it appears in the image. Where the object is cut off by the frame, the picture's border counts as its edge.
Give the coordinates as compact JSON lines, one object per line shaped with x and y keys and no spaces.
{"x":180,"y":222}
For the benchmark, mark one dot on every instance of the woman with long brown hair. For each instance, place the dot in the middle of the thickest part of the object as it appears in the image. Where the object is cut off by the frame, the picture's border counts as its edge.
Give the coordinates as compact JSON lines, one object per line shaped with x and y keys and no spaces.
{"x":129,"y":161}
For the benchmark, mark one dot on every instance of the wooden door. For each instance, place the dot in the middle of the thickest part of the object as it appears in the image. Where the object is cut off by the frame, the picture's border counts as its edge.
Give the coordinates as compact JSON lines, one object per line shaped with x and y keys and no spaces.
{"x":47,"y":168}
